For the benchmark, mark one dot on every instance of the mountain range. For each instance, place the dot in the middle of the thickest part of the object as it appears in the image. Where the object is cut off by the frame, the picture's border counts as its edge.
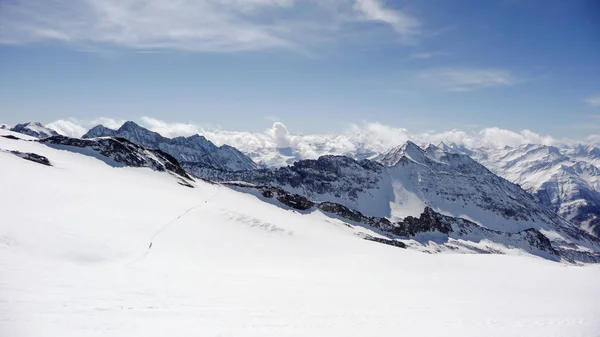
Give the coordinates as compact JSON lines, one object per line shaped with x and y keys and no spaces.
{"x":102,"y":236}
{"x":434,"y":199}
{"x":192,"y":152}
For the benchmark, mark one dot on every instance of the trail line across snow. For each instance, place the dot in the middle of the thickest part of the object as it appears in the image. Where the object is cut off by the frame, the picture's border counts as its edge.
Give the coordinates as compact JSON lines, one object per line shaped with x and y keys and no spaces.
{"x":170,"y":223}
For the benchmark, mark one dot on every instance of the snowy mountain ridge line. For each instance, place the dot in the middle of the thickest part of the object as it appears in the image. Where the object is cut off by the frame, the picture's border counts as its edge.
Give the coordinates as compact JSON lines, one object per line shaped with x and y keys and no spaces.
{"x":195,"y":150}
{"x":113,"y":151}
{"x":34,"y":129}
{"x":278,"y":146}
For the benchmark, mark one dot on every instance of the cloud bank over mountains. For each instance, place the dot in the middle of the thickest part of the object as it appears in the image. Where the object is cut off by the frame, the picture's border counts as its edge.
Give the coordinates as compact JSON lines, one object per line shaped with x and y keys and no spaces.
{"x":357,"y":138}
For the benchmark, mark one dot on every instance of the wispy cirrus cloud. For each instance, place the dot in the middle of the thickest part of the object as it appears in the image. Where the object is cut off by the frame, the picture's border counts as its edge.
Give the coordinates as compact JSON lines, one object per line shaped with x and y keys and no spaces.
{"x":195,"y":25}
{"x":374,"y":10}
{"x":467,"y":79}
{"x":427,"y":55}
{"x":593,"y":101}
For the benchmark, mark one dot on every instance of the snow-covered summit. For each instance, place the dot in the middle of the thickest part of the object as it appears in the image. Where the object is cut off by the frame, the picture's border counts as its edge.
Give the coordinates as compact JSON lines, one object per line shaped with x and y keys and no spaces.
{"x":99,"y":131}
{"x":34,"y":129}
{"x":408,"y":150}
{"x":193,"y":151}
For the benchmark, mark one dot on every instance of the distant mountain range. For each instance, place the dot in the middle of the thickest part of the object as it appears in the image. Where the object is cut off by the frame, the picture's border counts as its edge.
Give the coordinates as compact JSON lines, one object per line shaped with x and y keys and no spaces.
{"x":567,"y":180}
{"x":485,"y":196}
{"x":193,"y":152}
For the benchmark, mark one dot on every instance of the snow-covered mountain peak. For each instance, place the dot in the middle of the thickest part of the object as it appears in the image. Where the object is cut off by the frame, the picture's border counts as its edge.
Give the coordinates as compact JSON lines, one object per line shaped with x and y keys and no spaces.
{"x":99,"y":131}
{"x":408,"y":150}
{"x":34,"y":129}
{"x":434,"y":152}
{"x":130,"y":125}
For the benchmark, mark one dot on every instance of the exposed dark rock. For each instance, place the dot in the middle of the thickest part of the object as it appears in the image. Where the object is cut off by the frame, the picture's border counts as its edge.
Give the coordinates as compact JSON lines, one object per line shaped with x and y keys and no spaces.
{"x":291,"y":200}
{"x":530,"y":240}
{"x":124,"y":152}
{"x":36,"y":158}
{"x":429,"y":221}
{"x":356,"y":216}
{"x":339,"y":176}
{"x":389,"y":242}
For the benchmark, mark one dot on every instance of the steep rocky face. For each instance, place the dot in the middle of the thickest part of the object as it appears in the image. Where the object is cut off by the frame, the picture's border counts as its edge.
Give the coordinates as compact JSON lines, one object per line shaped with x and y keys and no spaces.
{"x":566,"y":180}
{"x":117,"y":151}
{"x":34,"y":129}
{"x":456,"y":184}
{"x":195,"y":151}
{"x":356,"y":184}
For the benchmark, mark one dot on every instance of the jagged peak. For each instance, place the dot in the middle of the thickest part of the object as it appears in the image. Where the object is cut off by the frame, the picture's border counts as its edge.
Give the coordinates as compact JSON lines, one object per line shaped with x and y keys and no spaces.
{"x":131,"y":125}
{"x":432,"y":147}
{"x":28,"y":124}
{"x":410,"y":146}
{"x":198,"y":138}
{"x":408,"y":150}
{"x":99,"y":131}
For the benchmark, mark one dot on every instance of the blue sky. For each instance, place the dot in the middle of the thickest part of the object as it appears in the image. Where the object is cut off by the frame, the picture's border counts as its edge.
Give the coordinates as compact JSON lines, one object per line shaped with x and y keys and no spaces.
{"x":318,"y":66}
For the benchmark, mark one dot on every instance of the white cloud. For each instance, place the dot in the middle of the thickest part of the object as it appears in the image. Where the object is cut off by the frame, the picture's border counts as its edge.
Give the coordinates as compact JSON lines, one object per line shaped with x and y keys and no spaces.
{"x":67,"y":128}
{"x":169,"y":129}
{"x":76,"y":128}
{"x":499,"y":138}
{"x":374,"y":10}
{"x":194,"y":25}
{"x":110,"y":123}
{"x":427,"y":55}
{"x":280,"y":135}
{"x":593,"y":101}
{"x":593,"y":139}
{"x":467,"y":79}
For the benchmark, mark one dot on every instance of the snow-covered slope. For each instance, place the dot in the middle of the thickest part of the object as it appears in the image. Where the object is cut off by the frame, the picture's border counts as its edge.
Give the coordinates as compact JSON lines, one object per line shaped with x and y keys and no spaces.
{"x":34,"y":129}
{"x":75,"y":261}
{"x":566,"y":180}
{"x":192,"y":152}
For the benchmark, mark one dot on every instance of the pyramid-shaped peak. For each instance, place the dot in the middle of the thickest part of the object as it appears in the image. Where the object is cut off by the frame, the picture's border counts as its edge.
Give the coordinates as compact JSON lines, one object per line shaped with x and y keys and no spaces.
{"x":130,"y":125}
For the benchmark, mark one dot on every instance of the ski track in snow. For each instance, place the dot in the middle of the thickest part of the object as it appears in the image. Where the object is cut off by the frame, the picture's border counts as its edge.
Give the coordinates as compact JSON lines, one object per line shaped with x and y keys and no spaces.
{"x":170,"y":223}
